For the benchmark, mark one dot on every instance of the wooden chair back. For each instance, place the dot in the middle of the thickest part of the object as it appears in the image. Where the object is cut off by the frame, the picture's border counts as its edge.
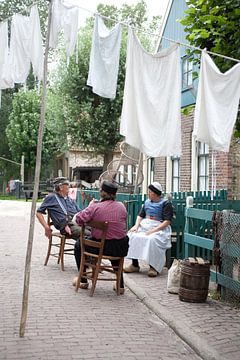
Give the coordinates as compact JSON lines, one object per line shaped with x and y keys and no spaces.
{"x":63,"y":243}
{"x":92,"y":257}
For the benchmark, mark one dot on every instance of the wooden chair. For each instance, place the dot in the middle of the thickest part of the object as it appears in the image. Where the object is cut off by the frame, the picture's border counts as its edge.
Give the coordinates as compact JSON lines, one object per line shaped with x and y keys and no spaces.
{"x":64,"y":243}
{"x":93,"y":262}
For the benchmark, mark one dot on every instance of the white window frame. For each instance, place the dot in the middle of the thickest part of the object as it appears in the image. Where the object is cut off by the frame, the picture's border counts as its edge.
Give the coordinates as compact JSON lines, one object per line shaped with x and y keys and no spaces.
{"x":177,"y":159}
{"x":187,"y":73}
{"x":203,"y":157}
{"x":150,"y":170}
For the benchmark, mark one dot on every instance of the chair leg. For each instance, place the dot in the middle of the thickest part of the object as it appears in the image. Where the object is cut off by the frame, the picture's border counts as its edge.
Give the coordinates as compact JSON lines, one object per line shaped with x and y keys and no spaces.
{"x":48,"y":251}
{"x":119,"y":275}
{"x":81,"y":271}
{"x":61,"y":252}
{"x":95,"y":277}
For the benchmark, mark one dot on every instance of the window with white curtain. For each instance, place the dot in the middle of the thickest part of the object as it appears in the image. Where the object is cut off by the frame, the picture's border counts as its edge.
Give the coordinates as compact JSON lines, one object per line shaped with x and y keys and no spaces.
{"x":203,"y":167}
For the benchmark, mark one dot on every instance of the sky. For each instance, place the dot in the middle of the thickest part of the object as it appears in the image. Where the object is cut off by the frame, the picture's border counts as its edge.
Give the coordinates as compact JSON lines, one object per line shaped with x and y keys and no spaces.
{"x":155,"y":7}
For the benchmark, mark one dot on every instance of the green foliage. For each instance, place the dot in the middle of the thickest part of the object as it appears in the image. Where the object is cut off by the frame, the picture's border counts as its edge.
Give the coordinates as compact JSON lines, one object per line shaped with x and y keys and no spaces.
{"x":11,"y":7}
{"x":7,"y":9}
{"x":7,"y":169}
{"x":92,"y":121}
{"x":214,"y":25}
{"x":187,"y":110}
{"x":22,"y":130}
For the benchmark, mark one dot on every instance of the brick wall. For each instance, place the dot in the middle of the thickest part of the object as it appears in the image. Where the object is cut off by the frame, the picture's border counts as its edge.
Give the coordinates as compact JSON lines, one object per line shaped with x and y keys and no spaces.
{"x":186,"y":158}
{"x":160,"y":171}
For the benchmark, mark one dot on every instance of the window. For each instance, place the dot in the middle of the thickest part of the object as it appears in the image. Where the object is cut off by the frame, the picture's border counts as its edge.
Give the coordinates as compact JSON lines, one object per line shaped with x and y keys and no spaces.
{"x":187,"y":73}
{"x":150,"y":170}
{"x":203,"y":166}
{"x":175,"y":173}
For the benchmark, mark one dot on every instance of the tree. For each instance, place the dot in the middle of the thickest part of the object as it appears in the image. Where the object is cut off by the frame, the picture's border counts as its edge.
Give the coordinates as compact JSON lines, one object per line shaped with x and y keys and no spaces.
{"x":92,"y":121}
{"x":22,"y":130}
{"x":7,"y":9}
{"x":215,"y":25}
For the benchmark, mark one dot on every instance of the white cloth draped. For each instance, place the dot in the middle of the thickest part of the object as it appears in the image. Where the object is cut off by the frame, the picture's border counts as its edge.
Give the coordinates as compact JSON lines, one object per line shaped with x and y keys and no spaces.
{"x":151,"y":112}
{"x":151,"y":248}
{"x":36,"y":44}
{"x":64,"y":18}
{"x":70,"y":29}
{"x":26,"y":46}
{"x":104,"y":59}
{"x":6,"y":80}
{"x":20,"y":48}
{"x":217,"y":104}
{"x":55,"y":26}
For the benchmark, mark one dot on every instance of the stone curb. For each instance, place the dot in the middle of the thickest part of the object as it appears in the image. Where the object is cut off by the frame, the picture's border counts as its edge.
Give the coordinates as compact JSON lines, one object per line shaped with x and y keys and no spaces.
{"x":200,"y":346}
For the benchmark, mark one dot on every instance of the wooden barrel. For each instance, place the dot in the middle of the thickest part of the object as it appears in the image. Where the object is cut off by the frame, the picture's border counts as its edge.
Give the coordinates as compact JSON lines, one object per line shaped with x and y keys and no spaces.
{"x":194,"y":280}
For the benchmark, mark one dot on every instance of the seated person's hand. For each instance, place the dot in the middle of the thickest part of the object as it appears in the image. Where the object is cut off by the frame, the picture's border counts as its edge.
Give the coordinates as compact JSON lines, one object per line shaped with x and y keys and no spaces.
{"x":151,"y":231}
{"x":48,"y":232}
{"x":93,"y":201}
{"x":134,"y":228}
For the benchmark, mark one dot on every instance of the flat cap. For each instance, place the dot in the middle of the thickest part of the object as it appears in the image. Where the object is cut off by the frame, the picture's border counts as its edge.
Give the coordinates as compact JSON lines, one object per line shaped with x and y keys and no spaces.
{"x":61,"y":181}
{"x":109,"y":187}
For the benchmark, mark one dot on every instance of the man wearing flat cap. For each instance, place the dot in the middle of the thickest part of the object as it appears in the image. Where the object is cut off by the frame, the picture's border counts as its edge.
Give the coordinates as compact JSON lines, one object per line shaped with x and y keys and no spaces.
{"x":150,"y":237}
{"x":61,"y":209}
{"x":115,"y":213}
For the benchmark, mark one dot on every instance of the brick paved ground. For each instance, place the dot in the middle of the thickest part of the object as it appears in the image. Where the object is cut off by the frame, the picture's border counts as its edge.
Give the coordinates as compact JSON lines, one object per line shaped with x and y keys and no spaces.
{"x":66,"y":325}
{"x":215,"y":322}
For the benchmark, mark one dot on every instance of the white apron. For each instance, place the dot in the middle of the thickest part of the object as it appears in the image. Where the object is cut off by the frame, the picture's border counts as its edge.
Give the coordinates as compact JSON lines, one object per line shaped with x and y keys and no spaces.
{"x":151,"y":248}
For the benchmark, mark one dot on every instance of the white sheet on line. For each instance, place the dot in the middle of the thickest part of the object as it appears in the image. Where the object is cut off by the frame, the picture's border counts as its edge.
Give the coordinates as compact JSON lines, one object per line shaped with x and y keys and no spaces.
{"x":6,"y":80}
{"x":36,"y":43}
{"x":151,"y":112}
{"x":104,"y":59}
{"x":20,"y":48}
{"x":217,"y":104}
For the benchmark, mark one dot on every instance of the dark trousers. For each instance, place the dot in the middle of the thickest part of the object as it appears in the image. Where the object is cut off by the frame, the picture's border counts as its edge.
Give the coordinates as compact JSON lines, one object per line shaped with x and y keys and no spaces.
{"x":75,"y":231}
{"x":112,"y":248}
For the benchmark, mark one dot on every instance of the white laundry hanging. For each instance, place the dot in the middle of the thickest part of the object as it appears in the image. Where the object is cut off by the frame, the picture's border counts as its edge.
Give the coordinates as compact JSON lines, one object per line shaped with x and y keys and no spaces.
{"x":56,"y":25}
{"x":104,"y":59}
{"x":6,"y":80}
{"x":26,"y":46}
{"x":64,"y":17}
{"x":217,"y":104}
{"x":36,"y":44}
{"x":70,"y":28}
{"x":151,"y":112}
{"x":20,"y":48}
{"x":4,"y":43}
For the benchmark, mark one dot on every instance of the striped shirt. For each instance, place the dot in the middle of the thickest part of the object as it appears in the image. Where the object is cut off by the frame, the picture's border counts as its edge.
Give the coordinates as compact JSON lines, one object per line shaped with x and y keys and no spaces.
{"x":109,"y":210}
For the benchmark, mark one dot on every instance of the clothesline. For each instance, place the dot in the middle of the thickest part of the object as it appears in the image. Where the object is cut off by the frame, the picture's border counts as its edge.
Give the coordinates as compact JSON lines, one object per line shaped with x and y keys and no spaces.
{"x":27,"y":8}
{"x":158,"y":35}
{"x":143,"y":31}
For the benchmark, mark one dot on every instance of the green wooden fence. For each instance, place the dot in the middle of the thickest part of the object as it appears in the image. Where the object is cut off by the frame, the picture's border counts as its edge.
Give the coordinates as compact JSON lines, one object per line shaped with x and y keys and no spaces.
{"x":192,"y":227}
{"x":194,"y":239}
{"x":202,"y":200}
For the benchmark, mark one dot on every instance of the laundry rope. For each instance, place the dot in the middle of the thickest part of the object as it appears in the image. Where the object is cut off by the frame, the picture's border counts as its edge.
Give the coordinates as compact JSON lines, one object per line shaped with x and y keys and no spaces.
{"x":140,"y":30}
